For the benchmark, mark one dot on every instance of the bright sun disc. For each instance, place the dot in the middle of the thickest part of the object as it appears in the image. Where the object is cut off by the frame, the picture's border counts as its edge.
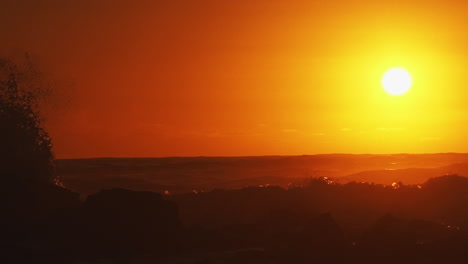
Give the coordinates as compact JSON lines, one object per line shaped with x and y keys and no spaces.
{"x":396,"y":81}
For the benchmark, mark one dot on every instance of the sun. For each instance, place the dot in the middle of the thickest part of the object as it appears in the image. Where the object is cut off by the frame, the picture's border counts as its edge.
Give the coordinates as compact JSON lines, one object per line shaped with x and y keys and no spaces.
{"x":396,"y":81}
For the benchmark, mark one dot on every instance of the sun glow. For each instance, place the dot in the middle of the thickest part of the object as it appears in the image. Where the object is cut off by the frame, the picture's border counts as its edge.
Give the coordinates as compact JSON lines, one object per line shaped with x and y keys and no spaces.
{"x":396,"y":81}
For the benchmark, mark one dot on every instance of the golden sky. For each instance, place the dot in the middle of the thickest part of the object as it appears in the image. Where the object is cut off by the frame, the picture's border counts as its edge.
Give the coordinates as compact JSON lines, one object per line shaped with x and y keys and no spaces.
{"x":246,"y":77}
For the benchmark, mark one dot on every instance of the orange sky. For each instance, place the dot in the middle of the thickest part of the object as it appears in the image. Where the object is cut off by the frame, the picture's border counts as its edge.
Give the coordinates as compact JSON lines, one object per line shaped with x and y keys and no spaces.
{"x":246,"y":77}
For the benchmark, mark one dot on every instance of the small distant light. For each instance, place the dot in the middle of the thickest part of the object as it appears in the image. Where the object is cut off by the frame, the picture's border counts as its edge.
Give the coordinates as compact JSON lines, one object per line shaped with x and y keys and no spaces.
{"x":395,"y":185}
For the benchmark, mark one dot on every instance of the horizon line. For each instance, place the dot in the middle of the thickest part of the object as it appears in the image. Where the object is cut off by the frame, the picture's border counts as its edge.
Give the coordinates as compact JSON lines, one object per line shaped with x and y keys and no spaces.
{"x":260,"y":156}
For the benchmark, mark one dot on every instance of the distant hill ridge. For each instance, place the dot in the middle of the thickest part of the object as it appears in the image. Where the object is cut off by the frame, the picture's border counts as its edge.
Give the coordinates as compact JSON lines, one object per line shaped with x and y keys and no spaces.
{"x":185,"y":174}
{"x":407,"y":176}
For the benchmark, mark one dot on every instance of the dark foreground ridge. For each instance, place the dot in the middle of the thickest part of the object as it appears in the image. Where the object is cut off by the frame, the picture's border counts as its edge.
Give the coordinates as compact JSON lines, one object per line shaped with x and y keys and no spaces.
{"x":321,"y":222}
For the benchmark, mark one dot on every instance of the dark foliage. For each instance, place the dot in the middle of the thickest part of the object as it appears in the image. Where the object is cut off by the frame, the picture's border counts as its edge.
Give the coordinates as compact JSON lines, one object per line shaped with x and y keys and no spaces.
{"x":130,"y":223}
{"x":322,"y":222}
{"x":29,"y":192}
{"x":26,"y":148}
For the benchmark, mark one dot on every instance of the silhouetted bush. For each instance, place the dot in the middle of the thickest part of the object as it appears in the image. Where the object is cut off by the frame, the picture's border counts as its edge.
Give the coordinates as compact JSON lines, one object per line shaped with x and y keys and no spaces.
{"x":121,"y":222}
{"x":26,"y":148}
{"x":28,"y":192}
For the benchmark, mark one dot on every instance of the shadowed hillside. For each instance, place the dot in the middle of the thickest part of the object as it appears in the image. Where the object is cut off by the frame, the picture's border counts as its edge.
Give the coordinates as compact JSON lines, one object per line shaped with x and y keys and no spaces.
{"x":322,"y":222}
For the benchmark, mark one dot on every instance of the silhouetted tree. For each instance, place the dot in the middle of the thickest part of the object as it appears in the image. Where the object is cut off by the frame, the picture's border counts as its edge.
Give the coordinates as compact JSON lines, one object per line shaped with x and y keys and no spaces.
{"x":26,"y":148}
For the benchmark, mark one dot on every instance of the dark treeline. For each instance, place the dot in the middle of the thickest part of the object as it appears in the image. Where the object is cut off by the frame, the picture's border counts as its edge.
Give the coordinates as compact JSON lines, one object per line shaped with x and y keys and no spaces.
{"x":321,"y":222}
{"x":328,"y":222}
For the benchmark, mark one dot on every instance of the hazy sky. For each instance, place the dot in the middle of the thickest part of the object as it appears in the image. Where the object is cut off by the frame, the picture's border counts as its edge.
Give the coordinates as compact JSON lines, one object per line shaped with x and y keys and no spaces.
{"x":246,"y":77}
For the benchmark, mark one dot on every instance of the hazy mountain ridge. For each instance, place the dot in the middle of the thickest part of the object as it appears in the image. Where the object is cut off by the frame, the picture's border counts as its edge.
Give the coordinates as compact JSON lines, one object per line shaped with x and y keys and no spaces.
{"x":407,"y":176}
{"x":184,"y":174}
